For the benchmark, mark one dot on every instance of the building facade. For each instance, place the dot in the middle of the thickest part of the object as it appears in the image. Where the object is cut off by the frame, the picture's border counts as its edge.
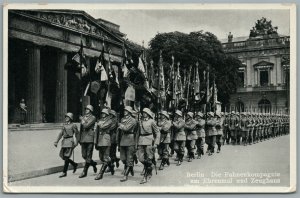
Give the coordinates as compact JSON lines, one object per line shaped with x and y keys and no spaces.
{"x":40,"y":44}
{"x":264,"y":77}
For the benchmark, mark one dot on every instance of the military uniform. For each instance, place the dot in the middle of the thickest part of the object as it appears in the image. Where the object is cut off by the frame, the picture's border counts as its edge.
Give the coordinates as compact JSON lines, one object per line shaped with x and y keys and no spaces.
{"x":251,"y":129}
{"x":245,"y":125}
{"x":127,"y":129}
{"x":212,"y":133}
{"x":113,"y":138}
{"x":165,"y":139}
{"x":149,"y":135}
{"x":86,"y":140}
{"x":191,"y":135}
{"x":102,"y":142}
{"x":232,"y":125}
{"x":200,"y":134}
{"x":69,"y":130}
{"x":219,"y":128}
{"x":179,"y":136}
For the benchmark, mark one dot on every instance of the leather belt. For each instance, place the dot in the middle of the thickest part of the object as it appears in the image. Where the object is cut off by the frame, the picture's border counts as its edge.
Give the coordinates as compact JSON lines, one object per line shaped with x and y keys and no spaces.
{"x":147,"y":134}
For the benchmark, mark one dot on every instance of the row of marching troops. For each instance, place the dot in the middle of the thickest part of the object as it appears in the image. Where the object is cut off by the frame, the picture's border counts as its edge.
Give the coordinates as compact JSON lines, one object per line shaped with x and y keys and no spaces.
{"x":138,"y":135}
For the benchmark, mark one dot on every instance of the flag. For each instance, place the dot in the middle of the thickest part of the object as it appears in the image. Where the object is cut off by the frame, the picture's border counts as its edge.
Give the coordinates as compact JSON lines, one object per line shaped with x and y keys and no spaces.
{"x":125,"y":62}
{"x":80,"y":59}
{"x":108,"y":99}
{"x":99,"y":69}
{"x":197,"y":84}
{"x":207,"y":86}
{"x":130,"y":93}
{"x":161,"y":78}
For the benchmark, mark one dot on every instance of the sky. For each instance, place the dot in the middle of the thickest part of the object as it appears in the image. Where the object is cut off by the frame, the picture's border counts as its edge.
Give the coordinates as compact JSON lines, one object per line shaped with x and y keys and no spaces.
{"x":142,"y":25}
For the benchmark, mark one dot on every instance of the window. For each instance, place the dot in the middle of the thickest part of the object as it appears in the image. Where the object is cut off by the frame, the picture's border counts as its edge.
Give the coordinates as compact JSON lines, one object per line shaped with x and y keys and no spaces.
{"x":264,"y":106}
{"x":264,"y":78}
{"x":241,"y":78}
{"x":239,"y":106}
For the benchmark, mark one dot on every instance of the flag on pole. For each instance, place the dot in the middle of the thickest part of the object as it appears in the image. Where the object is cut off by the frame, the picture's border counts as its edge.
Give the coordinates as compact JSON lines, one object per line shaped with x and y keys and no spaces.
{"x":197,"y":84}
{"x":100,"y":69}
{"x":207,"y":86}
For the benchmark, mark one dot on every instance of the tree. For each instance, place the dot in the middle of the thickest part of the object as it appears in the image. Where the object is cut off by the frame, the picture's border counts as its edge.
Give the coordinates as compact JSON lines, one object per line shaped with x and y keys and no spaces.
{"x":263,"y":27}
{"x":201,"y":47}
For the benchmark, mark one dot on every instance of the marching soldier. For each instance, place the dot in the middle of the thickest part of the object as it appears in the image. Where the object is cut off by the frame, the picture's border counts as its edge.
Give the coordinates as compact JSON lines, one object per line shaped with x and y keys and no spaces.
{"x":86,"y":139}
{"x":69,"y":130}
{"x":191,"y":135}
{"x":127,"y":133}
{"x":165,"y":138}
{"x":113,"y":138}
{"x":179,"y":136}
{"x":103,"y":142}
{"x":259,"y":128}
{"x":219,"y":128}
{"x":200,"y":134}
{"x":212,"y":132}
{"x":232,"y":127}
{"x":148,"y":139}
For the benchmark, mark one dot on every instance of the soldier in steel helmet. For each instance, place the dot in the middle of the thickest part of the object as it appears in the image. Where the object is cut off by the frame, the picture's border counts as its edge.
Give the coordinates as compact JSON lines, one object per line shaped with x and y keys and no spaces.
{"x":179,"y":136}
{"x":86,"y":139}
{"x":69,"y":135}
{"x":126,"y":138}
{"x":148,"y":140}
{"x":212,"y":132}
{"x":191,"y":135}
{"x":164,"y":125}
{"x":102,"y":140}
{"x":200,"y":134}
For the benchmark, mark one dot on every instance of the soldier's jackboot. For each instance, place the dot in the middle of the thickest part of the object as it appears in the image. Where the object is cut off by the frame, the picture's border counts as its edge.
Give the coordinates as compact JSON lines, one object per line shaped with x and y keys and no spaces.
{"x":94,"y":164}
{"x":131,"y":170}
{"x":135,"y":159}
{"x":161,"y":167}
{"x":125,"y":178}
{"x":74,"y":164}
{"x":147,"y":175}
{"x":219,"y":148}
{"x":85,"y":170}
{"x":168,"y":162}
{"x":199,"y":154}
{"x":179,"y":160}
{"x":143,"y":171}
{"x":111,"y":168}
{"x":117,"y":162}
{"x":66,"y":165}
{"x":101,"y":172}
{"x":125,"y":167}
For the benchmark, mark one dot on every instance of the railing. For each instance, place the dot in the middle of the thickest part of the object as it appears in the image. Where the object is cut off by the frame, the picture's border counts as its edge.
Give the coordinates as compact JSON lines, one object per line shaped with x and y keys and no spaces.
{"x":262,"y":88}
{"x":257,"y":43}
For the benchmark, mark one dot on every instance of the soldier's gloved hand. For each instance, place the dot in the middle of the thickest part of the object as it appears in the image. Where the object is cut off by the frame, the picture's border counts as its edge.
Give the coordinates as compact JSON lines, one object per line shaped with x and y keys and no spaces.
{"x":55,"y":144}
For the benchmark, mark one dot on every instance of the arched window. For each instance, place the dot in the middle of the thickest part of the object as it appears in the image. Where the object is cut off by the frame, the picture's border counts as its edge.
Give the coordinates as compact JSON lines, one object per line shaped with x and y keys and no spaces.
{"x":264,"y":106}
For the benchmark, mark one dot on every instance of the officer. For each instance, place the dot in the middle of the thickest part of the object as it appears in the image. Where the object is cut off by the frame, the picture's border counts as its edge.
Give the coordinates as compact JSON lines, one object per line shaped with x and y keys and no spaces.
{"x":69,"y":130}
{"x":179,"y":136}
{"x":250,"y":128}
{"x":191,"y":135}
{"x":244,"y":128}
{"x":113,"y":139}
{"x":200,"y":134}
{"x":226,"y":130}
{"x":165,"y":132}
{"x":127,"y":130}
{"x":212,"y":133}
{"x":232,"y":127}
{"x":219,"y":128}
{"x":86,"y":139}
{"x":148,"y":140}
{"x":103,"y":142}
{"x":238,"y":132}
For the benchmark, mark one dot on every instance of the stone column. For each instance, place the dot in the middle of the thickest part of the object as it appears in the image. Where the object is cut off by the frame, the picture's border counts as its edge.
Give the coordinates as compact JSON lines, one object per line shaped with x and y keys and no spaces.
{"x":33,"y":102}
{"x":61,"y":87}
{"x":248,"y":72}
{"x":278,"y":70}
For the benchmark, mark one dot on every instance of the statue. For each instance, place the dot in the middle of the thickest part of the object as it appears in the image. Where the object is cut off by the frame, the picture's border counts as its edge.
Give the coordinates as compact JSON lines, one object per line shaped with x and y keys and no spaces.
{"x":263,"y":27}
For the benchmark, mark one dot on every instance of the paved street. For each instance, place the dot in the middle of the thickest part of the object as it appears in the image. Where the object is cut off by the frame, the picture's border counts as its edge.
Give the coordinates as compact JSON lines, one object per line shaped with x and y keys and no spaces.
{"x":271,"y":156}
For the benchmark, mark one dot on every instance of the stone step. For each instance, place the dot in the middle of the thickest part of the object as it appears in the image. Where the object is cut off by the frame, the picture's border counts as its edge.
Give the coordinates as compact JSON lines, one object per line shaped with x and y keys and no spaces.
{"x":39,"y":126}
